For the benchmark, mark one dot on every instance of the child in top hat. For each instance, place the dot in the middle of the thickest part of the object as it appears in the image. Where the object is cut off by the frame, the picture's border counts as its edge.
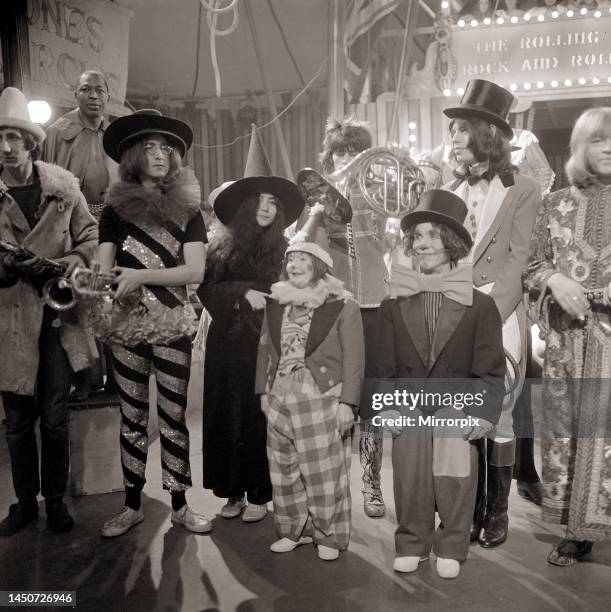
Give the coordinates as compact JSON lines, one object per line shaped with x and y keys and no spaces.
{"x":501,"y":210}
{"x":309,"y":369}
{"x":435,"y":325}
{"x":244,"y":259}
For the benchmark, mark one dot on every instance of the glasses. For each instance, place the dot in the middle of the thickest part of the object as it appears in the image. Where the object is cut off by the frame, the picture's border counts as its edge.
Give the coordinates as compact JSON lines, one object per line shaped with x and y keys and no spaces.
{"x":86,"y":90}
{"x":153,"y":147}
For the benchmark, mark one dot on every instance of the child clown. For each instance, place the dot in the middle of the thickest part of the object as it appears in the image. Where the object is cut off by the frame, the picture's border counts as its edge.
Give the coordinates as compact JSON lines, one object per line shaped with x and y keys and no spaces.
{"x":310,"y":370}
{"x":436,"y":328}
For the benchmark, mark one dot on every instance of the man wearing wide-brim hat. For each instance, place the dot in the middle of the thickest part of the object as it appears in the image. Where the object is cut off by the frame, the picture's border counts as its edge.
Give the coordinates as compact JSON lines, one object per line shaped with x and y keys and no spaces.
{"x":502,"y":206}
{"x":42,"y":211}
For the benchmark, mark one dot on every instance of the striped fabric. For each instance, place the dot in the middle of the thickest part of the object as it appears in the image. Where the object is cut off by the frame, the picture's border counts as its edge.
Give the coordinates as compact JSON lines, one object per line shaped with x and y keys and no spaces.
{"x":132,"y":368}
{"x":432,"y":306}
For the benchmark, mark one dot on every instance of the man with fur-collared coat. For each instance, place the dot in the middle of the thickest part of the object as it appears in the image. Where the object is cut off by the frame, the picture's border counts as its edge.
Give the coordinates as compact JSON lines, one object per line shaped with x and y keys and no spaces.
{"x":43,"y":211}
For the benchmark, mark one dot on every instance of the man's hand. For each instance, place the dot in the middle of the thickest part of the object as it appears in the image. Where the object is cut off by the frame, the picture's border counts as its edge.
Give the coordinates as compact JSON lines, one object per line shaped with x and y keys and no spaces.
{"x":345,"y":418}
{"x":395,"y":430}
{"x":32,"y":265}
{"x":128,"y":281}
{"x":256,"y":299}
{"x":71,"y":262}
{"x":569,"y":295}
{"x":479,"y":431}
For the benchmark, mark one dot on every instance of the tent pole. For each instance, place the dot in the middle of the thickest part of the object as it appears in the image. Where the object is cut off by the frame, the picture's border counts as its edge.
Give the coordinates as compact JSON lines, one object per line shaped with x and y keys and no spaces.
{"x":336,"y":54}
{"x":288,"y":171}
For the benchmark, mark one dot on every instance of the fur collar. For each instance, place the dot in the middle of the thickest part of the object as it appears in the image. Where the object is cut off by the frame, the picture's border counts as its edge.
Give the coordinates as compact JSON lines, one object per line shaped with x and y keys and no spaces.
{"x":175,"y":200}
{"x":310,"y":297}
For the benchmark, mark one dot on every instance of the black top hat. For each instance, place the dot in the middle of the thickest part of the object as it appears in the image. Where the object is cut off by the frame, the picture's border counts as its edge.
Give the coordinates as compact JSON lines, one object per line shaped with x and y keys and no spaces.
{"x":126,"y":130}
{"x":485,"y":100}
{"x":440,"y":206}
{"x":258,"y":178}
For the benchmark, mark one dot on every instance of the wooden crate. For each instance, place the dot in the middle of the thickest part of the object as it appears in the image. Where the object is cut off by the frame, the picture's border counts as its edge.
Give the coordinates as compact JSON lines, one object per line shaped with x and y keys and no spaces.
{"x":95,"y":460}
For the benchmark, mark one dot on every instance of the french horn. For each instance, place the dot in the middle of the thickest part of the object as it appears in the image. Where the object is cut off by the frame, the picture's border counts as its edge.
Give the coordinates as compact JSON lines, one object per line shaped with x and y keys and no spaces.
{"x":390,"y":184}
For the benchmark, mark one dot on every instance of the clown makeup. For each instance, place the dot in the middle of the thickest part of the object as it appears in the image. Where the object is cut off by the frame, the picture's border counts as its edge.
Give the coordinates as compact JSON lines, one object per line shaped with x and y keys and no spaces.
{"x":299,"y":269}
{"x":429,"y":251}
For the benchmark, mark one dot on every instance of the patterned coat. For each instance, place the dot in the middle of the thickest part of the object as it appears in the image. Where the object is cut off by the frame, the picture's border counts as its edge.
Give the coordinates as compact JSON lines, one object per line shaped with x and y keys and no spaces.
{"x":573,"y":236}
{"x":65,"y":226}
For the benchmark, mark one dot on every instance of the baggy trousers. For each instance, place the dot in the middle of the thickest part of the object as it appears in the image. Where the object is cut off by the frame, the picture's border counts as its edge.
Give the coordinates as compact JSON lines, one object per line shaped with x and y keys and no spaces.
{"x":132,"y":368}
{"x":434,"y":469}
{"x":309,"y":467}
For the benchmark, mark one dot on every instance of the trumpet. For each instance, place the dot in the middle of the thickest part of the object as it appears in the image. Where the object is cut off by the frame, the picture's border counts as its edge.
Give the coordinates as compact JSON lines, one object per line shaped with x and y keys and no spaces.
{"x":390,"y":184}
{"x":62,"y":293}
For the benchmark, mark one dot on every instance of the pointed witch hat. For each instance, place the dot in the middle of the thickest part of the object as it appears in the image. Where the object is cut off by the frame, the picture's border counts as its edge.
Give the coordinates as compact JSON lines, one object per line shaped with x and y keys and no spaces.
{"x":313,"y":239}
{"x":258,"y":178}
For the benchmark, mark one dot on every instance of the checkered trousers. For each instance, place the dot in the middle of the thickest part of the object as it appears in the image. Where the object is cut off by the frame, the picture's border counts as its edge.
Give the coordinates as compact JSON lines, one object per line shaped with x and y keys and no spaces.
{"x":309,"y":462}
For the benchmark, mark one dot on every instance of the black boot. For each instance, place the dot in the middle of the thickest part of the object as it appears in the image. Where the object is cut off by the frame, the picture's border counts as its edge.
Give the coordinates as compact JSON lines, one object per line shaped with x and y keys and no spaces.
{"x":20,"y":515}
{"x":480,"y":500}
{"x":58,"y":517}
{"x":496,"y":523}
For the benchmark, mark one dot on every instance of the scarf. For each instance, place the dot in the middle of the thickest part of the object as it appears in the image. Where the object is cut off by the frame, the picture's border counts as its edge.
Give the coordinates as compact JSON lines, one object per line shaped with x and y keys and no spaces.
{"x":309,"y":297}
{"x":174,"y":201}
{"x":455,"y":284}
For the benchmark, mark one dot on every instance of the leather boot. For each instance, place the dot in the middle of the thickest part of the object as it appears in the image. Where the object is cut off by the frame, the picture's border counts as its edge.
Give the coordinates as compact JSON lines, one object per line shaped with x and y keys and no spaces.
{"x":480,"y":500}
{"x":370,"y":451}
{"x":496,"y":523}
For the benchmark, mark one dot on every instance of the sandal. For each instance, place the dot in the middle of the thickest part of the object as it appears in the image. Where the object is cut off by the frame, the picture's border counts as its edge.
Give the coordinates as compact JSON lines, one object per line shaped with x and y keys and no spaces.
{"x":569,"y":552}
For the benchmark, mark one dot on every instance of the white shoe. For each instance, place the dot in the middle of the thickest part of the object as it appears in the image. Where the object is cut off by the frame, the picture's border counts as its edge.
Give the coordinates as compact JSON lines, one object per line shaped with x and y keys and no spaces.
{"x":287,"y":545}
{"x":197,"y":523}
{"x":254,"y":513}
{"x":122,"y":522}
{"x":233,"y":507}
{"x":326,"y":553}
{"x":447,"y":568}
{"x":405,"y":565}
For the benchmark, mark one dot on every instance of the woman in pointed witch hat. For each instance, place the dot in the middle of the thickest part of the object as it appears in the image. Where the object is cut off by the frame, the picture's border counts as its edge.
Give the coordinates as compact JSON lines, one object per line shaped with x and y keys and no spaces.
{"x":244,"y":260}
{"x":502,"y":205}
{"x":152,"y":235}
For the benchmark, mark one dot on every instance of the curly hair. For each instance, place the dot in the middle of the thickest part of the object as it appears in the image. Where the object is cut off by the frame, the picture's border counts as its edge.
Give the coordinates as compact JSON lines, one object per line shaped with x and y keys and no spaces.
{"x":133,"y":162}
{"x":347,"y":134}
{"x":457,"y":248}
{"x":244,"y":239}
{"x":486,"y":146}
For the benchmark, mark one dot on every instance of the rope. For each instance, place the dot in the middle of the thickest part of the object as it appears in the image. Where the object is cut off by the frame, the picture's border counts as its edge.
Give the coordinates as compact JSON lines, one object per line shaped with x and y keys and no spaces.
{"x":284,"y":110}
{"x":213,"y":10}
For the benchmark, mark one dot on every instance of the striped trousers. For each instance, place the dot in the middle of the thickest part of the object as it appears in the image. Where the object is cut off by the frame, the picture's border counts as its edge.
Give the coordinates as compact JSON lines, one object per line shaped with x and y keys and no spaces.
{"x":132,"y":369}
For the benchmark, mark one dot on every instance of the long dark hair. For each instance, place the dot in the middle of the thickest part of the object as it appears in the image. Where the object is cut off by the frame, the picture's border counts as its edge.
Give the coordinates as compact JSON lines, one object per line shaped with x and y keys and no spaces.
{"x":486,"y":146}
{"x":133,"y":161}
{"x":244,"y":239}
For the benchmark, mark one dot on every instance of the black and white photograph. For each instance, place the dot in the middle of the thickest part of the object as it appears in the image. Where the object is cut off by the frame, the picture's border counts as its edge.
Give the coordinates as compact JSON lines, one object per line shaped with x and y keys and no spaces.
{"x":305,"y":305}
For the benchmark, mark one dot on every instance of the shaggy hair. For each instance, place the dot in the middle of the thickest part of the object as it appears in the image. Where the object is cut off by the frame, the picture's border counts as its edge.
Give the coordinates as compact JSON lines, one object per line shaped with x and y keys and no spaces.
{"x":319,"y":268}
{"x":593,"y":123}
{"x":243,"y":239}
{"x":347,"y":134}
{"x":486,"y":146}
{"x":457,"y":248}
{"x":133,"y":161}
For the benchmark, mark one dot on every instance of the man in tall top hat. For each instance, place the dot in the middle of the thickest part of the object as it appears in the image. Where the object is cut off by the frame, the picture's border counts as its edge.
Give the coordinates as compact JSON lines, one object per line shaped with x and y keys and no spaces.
{"x":502,"y":206}
{"x":43,"y":211}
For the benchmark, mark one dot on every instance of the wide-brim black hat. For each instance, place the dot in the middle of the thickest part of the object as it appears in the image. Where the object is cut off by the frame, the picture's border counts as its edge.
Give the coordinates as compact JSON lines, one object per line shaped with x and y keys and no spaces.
{"x":258,"y":178}
{"x":440,"y":206}
{"x":485,"y":100}
{"x":127,"y":130}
